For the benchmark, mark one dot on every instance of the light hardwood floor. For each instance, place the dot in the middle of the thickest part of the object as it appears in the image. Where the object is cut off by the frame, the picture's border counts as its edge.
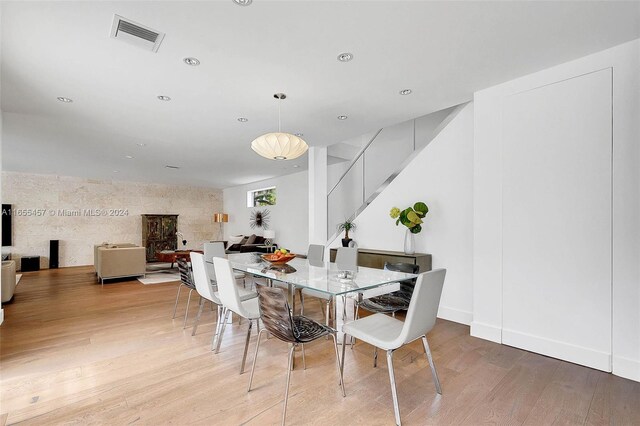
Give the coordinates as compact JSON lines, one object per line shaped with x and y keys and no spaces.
{"x":74,"y":352}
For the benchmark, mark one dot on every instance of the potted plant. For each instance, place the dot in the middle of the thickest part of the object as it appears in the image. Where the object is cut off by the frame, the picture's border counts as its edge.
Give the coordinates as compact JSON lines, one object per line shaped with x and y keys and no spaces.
{"x":411,"y":217}
{"x":346,"y":226}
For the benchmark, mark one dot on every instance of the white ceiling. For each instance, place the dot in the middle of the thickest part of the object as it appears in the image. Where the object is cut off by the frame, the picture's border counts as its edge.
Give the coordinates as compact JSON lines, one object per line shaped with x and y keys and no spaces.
{"x":444,"y":51}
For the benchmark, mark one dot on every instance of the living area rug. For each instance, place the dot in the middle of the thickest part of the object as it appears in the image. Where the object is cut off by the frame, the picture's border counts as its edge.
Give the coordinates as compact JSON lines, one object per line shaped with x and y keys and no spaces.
{"x":160,"y":277}
{"x":161,"y":267}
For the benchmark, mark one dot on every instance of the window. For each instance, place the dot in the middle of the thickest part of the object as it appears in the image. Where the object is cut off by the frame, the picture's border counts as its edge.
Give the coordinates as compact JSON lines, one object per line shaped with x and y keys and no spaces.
{"x":261,"y":197}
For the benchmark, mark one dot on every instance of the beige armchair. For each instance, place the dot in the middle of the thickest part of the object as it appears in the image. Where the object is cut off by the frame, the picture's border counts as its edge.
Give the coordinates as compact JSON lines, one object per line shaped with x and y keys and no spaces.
{"x":114,"y":245}
{"x":119,"y":262}
{"x":8,"y":279}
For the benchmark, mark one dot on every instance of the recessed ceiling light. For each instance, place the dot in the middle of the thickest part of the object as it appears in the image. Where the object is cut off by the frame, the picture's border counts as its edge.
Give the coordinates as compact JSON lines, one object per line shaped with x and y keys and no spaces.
{"x":194,"y":62}
{"x":172,"y":167}
{"x":345,"y":57}
{"x":130,"y":157}
{"x":243,"y":120}
{"x":141,"y":145}
{"x":164,"y":98}
{"x":299,"y":134}
{"x":405,"y":92}
{"x":243,"y":2}
{"x":342,"y":117}
{"x":295,"y":166}
{"x":65,"y":100}
{"x":116,"y":171}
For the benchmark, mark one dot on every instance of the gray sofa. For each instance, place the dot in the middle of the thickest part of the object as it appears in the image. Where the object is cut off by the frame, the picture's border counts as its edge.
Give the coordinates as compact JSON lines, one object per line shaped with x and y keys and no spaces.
{"x":248,"y":244}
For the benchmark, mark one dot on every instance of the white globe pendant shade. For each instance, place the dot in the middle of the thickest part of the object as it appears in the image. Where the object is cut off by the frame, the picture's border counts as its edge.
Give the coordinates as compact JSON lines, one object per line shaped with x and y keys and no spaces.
{"x":279,"y":146}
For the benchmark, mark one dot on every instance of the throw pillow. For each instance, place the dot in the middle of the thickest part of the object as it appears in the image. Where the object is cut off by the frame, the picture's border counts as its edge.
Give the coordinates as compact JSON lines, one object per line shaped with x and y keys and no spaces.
{"x":252,"y":239}
{"x":235,"y":239}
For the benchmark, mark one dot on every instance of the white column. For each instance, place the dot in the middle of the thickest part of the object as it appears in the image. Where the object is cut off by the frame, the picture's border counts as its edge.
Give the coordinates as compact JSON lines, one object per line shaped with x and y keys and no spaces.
{"x":318,"y":195}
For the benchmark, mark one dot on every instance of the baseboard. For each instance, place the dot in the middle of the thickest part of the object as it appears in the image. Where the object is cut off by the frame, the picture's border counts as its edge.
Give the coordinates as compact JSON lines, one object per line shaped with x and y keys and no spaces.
{"x":627,"y":368}
{"x":1,"y":315}
{"x":556,"y":349}
{"x":486,"y":332}
{"x":455,"y":315}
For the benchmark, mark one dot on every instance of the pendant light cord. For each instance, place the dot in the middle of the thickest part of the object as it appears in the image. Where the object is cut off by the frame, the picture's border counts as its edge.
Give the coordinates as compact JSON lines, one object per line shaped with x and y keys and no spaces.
{"x":279,"y":102}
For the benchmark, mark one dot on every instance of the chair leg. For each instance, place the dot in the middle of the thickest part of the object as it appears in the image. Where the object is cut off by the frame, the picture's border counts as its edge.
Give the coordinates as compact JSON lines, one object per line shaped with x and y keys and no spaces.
{"x":301,"y":303}
{"x":304,"y":361}
{"x":218,"y":322}
{"x":338,"y":365}
{"x":195,"y":325}
{"x":328,"y":314}
{"x":356,"y":314}
{"x":375,"y":356}
{"x":246,"y":347}
{"x":427,"y":351}
{"x":394,"y":392}
{"x":286,"y":389}
{"x":221,"y":329}
{"x":255,"y":357}
{"x":186,"y":311}
{"x":344,"y":344}
{"x":322,"y":309}
{"x":175,"y":306}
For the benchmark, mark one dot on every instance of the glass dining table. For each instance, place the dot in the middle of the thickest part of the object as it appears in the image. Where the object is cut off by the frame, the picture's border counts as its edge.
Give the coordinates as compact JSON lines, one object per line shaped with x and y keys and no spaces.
{"x":332,"y":279}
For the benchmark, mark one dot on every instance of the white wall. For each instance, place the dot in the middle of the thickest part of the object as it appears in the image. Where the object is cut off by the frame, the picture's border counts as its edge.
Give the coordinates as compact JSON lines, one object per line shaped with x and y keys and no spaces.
{"x":442,"y":176}
{"x":78,"y":234}
{"x":289,"y":218}
{"x":488,"y":226}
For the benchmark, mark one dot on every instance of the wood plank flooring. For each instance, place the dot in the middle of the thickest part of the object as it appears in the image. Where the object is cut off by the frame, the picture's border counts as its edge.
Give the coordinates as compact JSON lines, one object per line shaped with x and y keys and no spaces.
{"x":74,"y":352}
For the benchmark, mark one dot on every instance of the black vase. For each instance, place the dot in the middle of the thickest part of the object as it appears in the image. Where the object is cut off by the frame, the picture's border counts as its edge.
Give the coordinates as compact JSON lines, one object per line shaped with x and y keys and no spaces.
{"x":345,"y":242}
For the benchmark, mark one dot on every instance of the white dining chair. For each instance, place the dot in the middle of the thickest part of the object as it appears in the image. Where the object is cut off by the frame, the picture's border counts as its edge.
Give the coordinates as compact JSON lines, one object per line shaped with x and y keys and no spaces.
{"x":206,"y":292}
{"x":207,"y":289}
{"x":346,"y":260}
{"x":390,"y":334}
{"x":315,"y":253}
{"x":231,"y":302}
{"x":216,"y":249}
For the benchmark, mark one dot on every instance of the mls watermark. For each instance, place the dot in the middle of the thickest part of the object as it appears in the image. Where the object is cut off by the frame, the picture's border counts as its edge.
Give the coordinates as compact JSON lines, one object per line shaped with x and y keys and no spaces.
{"x":70,"y":212}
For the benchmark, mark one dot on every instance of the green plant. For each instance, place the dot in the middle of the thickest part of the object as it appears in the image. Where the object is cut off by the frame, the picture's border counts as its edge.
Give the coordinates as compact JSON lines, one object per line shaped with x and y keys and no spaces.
{"x":347,"y":226}
{"x":411,"y":217}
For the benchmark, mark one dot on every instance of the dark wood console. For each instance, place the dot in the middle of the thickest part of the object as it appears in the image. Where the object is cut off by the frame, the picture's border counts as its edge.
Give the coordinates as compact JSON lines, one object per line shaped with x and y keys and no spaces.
{"x":377,"y":258}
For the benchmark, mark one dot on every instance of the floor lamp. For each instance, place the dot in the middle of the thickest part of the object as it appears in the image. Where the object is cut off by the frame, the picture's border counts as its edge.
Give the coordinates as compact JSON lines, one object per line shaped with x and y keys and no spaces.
{"x":221,"y":218}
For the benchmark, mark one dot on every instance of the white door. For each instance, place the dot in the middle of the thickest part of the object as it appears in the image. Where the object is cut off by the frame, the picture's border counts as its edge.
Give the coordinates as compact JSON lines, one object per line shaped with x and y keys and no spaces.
{"x":557,"y":174}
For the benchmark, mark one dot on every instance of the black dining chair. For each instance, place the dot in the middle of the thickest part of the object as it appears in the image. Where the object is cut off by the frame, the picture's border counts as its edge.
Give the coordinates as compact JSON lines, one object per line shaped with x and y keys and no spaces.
{"x":276,"y":316}
{"x":395,"y":301}
{"x":186,"y":279}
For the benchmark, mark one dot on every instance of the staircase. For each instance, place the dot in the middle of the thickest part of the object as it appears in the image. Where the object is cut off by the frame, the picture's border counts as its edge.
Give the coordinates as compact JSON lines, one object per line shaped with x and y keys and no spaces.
{"x":361,"y":168}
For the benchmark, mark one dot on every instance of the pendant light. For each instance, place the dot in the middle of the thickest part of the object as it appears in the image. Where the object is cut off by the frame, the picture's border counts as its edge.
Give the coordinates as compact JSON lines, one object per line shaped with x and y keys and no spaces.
{"x":279,"y":145}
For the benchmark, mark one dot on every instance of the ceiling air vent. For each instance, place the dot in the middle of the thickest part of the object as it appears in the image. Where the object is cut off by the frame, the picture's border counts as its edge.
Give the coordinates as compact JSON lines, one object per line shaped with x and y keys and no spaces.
{"x":136,"y":34}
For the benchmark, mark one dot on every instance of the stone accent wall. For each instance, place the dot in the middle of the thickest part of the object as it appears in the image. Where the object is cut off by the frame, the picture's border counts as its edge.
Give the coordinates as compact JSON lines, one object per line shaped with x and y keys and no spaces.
{"x":82,"y":212}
